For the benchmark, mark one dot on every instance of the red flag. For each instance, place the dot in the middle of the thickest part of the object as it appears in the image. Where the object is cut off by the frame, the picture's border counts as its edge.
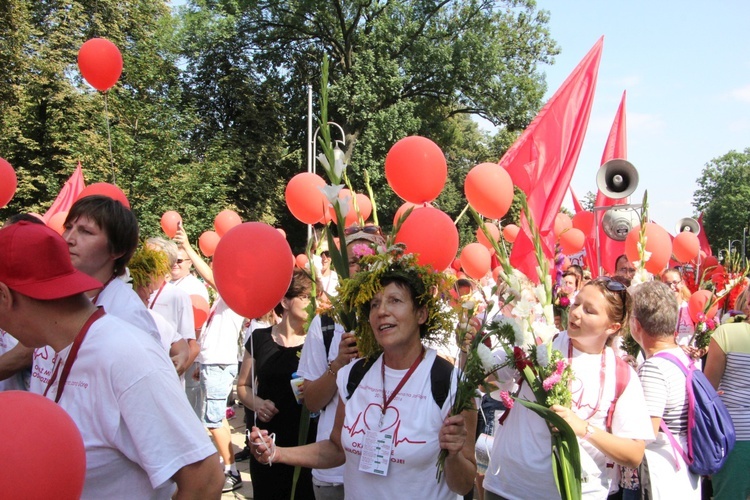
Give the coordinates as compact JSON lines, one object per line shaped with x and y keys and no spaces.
{"x":541,"y":162}
{"x":702,"y":238}
{"x":68,"y":194}
{"x":616,"y":147}
{"x":589,"y":245}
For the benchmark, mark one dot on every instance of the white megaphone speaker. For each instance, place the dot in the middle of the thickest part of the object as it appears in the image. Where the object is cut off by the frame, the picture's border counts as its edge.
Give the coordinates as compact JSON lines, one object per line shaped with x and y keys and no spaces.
{"x":688,"y":224}
{"x":617,"y":179}
{"x":617,"y":222}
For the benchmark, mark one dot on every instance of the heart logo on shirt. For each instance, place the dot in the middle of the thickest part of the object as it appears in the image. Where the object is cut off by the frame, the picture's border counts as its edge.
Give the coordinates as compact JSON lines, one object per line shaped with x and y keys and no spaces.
{"x":373,"y":413}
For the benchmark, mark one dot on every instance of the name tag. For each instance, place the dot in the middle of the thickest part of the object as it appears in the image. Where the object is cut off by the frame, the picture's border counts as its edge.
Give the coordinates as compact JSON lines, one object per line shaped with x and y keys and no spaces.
{"x":376,"y":452}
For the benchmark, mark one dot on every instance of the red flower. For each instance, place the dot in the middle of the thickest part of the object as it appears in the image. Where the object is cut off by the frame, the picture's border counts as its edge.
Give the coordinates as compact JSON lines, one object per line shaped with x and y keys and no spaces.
{"x":519,"y":356}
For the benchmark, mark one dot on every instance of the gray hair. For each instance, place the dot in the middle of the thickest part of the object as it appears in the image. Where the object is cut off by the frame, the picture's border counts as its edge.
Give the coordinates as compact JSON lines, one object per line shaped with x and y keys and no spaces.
{"x":169,"y":247}
{"x":656,"y":309}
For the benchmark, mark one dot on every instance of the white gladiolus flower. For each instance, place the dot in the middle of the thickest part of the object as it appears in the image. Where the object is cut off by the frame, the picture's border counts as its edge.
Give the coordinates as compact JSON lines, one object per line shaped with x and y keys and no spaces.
{"x":523,"y":308}
{"x":541,"y":293}
{"x":543,"y":354}
{"x":344,"y":205}
{"x":549,"y":314}
{"x":646,"y":256}
{"x":324,"y":161}
{"x":486,"y":356}
{"x":331,"y":192}
{"x":469,"y":305}
{"x":543,"y":331}
{"x":338,"y":168}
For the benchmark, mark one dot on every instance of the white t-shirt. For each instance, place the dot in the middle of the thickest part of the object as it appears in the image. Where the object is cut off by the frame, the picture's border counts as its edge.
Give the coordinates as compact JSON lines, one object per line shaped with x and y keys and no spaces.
{"x":175,"y":305}
{"x":330,"y":282}
{"x":313,"y":364}
{"x":685,"y":326}
{"x":192,"y":286}
{"x":19,"y":381}
{"x":167,"y":332}
{"x":415,"y":419}
{"x":137,"y":426}
{"x":219,"y":336}
{"x":521,"y":463}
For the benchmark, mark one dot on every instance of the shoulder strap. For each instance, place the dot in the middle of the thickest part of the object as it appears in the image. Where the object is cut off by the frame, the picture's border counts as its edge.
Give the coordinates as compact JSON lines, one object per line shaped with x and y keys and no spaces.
{"x":690,"y":396}
{"x":327,"y":326}
{"x":440,"y":379}
{"x":357,"y":373}
{"x":622,"y":377}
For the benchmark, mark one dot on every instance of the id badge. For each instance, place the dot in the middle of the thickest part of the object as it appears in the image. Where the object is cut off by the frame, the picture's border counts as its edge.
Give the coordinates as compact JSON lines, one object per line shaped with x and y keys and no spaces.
{"x":376,"y":452}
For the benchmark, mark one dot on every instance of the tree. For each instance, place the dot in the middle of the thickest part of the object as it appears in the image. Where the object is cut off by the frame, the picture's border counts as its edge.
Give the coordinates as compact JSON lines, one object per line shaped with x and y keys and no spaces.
{"x":723,"y":196}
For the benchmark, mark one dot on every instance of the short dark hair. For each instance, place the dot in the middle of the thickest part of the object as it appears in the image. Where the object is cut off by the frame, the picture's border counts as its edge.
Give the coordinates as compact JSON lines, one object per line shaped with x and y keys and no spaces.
{"x":26,"y":217}
{"x":115,"y":219}
{"x":300,"y":285}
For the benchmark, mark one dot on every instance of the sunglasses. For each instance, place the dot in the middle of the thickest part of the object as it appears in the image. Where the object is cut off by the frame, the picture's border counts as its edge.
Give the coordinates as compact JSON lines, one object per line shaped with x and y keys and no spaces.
{"x":611,"y":285}
{"x":180,"y":261}
{"x":325,"y":254}
{"x":357,"y":229}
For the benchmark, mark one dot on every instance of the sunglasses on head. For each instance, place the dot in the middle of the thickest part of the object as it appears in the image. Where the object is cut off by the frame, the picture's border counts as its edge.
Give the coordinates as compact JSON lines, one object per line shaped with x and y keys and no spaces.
{"x":358,"y":229}
{"x":612,"y":285}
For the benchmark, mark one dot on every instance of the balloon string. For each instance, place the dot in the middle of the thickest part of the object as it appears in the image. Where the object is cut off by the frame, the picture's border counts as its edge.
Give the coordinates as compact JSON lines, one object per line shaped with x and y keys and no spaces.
{"x":109,"y":140}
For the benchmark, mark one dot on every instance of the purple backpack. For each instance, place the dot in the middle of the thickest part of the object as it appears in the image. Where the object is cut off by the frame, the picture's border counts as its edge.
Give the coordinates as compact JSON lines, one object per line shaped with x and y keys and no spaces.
{"x":710,"y":431}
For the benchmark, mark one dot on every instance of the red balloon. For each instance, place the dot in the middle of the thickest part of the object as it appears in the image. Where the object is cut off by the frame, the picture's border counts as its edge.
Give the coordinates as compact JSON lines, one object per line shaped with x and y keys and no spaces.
{"x":281,"y":232}
{"x":200,"y":310}
{"x":307,"y":203}
{"x":658,"y":243}
{"x":697,"y":304}
{"x":100,"y":63}
{"x":584,"y":221}
{"x":8,"y":182}
{"x":494,"y":232}
{"x":710,"y":262}
{"x":416,"y":169}
{"x":489,"y":190}
{"x":475,"y":260}
{"x":252,"y":252}
{"x":226,"y":220}
{"x":104,"y":189}
{"x":496,"y":273}
{"x":431,"y":234}
{"x":572,"y":241}
{"x":403,"y":208}
{"x":57,"y":222}
{"x":301,"y":261}
{"x":510,"y":232}
{"x":565,"y":264}
{"x":34,"y":427}
{"x":169,"y":222}
{"x":686,"y":246}
{"x":365,"y":209}
{"x":563,"y":222}
{"x":456,"y":264}
{"x":207,"y":242}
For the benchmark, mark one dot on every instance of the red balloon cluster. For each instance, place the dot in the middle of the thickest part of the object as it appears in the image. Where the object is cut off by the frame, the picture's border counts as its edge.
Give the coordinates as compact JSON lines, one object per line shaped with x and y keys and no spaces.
{"x":100,"y":63}
{"x":658,"y":243}
{"x":475,"y":260}
{"x":572,"y":241}
{"x":489,"y":190}
{"x":697,"y":304}
{"x":431,"y":235}
{"x":305,"y":200}
{"x":563,"y":222}
{"x":686,"y":246}
{"x":34,"y":427}
{"x":226,"y":220}
{"x":104,"y":189}
{"x":252,"y":253}
{"x":170,"y":221}
{"x":492,"y":230}
{"x":8,"y":182}
{"x":416,"y":169}
{"x":207,"y":242}
{"x":351,"y":218}
{"x":200,"y":310}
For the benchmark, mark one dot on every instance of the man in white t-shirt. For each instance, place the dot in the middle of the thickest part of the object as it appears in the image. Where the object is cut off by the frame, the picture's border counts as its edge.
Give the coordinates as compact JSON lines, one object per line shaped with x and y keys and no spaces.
{"x":140,"y":436}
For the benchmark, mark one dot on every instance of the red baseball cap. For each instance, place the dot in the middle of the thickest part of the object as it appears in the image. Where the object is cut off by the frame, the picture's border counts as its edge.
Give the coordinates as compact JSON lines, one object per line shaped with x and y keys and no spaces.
{"x":34,"y":261}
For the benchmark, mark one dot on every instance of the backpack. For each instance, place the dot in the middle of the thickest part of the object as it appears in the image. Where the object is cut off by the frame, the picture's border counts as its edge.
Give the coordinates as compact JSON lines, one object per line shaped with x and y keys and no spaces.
{"x":327,"y":326}
{"x":710,"y":431}
{"x":440,"y":377}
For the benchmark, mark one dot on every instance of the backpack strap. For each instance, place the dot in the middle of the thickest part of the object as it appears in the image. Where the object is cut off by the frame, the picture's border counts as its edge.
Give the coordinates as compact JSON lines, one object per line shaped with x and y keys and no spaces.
{"x":690,"y":395}
{"x":357,"y":373}
{"x":327,"y":325}
{"x":440,"y":380}
{"x":622,"y":377}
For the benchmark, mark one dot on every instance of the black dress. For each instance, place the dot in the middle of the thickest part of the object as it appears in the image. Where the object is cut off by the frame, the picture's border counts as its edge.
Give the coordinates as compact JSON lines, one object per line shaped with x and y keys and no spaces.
{"x":274,"y":365}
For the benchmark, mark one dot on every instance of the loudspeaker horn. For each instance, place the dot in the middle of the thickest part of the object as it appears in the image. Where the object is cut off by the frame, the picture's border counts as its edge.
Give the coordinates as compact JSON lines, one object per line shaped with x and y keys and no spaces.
{"x":617,"y":222}
{"x":688,"y":224}
{"x":617,"y":179}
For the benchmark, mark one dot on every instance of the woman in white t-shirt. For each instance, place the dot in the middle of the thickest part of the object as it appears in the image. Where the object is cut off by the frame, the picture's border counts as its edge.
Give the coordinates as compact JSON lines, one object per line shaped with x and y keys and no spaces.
{"x":521,"y":459}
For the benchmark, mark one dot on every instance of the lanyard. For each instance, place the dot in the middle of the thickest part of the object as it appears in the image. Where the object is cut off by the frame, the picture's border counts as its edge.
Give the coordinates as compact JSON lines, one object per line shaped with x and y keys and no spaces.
{"x":72,"y":355}
{"x":602,"y":373}
{"x":151,"y":305}
{"x":95,"y":299}
{"x":400,"y":384}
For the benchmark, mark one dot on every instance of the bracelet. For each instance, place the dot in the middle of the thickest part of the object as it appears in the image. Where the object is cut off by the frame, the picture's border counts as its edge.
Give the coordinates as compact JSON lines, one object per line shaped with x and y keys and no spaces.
{"x":589,"y":432}
{"x":330,"y":370}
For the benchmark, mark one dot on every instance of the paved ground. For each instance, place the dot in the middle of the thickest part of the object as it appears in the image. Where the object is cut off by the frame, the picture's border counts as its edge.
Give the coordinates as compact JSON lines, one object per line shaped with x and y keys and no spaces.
{"x":238,"y":439}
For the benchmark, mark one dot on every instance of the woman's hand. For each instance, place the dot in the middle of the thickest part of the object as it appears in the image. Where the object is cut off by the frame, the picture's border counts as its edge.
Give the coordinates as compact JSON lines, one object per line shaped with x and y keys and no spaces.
{"x":347,"y":351}
{"x":576,"y":423}
{"x":262,"y":445}
{"x":265,"y":410}
{"x":452,"y":435}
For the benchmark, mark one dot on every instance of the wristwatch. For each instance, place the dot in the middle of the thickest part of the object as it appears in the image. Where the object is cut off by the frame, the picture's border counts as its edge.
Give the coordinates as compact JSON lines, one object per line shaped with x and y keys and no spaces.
{"x":589,"y":432}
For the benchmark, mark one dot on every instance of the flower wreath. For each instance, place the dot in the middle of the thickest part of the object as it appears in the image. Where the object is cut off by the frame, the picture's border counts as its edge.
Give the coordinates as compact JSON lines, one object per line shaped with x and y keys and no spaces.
{"x":430,"y":286}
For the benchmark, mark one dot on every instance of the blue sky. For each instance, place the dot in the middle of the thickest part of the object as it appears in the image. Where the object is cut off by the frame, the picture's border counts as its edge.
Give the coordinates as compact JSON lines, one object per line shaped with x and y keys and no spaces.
{"x":686,"y":68}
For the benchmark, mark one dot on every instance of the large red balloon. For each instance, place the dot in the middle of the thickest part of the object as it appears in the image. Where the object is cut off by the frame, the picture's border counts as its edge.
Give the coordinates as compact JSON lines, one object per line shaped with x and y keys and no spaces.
{"x":489,"y":190}
{"x":207,"y":242}
{"x":697,"y":304}
{"x":8,"y":182}
{"x":170,"y":220}
{"x":402,"y":210}
{"x":563,"y":222}
{"x":301,"y":261}
{"x":100,"y":63}
{"x":200,"y":310}
{"x":226,"y":220}
{"x":252,"y":252}
{"x":431,"y":235}
{"x":104,"y":189}
{"x":37,"y":427}
{"x":584,"y":221}
{"x":494,"y":233}
{"x":658,"y":243}
{"x":475,"y":260}
{"x":306,"y":202}
{"x":510,"y":232}
{"x":686,"y":246}
{"x":572,"y":241}
{"x":57,"y":222}
{"x":416,"y":169}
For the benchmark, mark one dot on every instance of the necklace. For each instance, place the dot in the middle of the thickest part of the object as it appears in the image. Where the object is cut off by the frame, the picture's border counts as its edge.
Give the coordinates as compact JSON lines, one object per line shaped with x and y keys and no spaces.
{"x":285,"y":341}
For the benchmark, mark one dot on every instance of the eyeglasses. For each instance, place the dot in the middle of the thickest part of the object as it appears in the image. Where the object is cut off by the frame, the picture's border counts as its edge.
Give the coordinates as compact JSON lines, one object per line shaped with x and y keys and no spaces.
{"x":180,"y":261}
{"x":673,"y":284}
{"x":358,"y":229}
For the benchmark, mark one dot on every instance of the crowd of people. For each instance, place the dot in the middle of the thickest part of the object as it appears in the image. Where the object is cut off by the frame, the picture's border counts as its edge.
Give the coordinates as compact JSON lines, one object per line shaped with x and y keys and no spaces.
{"x":104,"y":325}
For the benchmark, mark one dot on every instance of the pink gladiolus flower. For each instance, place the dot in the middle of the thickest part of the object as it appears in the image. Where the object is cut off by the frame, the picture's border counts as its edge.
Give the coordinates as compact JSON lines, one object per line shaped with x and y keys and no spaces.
{"x":507,"y":400}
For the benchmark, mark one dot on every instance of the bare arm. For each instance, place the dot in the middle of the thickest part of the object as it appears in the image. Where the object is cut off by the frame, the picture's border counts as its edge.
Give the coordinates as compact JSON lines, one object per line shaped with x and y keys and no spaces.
{"x":193,"y":350}
{"x":457,"y":436}
{"x":716,"y":363}
{"x":264,"y":409}
{"x":16,"y":359}
{"x":198,"y":263}
{"x":320,"y":391}
{"x":179,"y":352}
{"x":200,"y":480}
